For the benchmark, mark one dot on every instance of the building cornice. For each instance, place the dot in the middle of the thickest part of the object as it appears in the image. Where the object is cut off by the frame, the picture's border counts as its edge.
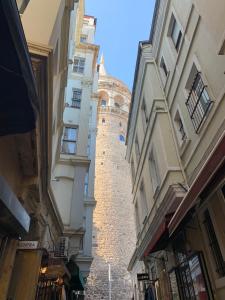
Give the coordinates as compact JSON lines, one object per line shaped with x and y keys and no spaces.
{"x":74,"y":161}
{"x":142,"y":45}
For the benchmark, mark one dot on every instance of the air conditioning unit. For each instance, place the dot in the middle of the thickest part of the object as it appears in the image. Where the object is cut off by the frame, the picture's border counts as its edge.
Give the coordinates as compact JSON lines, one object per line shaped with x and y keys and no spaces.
{"x":61,"y":248}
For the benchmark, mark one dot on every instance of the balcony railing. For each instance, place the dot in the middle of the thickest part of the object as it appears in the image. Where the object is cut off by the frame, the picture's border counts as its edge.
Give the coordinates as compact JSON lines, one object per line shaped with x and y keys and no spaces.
{"x":112,"y":109}
{"x":198,"y":102}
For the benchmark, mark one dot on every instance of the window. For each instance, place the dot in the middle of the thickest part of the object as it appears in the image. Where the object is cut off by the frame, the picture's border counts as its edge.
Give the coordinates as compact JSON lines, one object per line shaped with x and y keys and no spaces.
{"x":198,"y":102}
{"x":214,"y":245}
{"x":89,"y":145}
{"x":78,"y":65}
{"x":69,"y":142}
{"x":81,"y":244}
{"x":103,"y":121}
{"x":175,"y":32}
{"x":143,"y":200}
{"x":76,"y":99}
{"x":132,"y":170}
{"x":83,"y":38}
{"x":103,"y":102}
{"x":181,"y":134}
{"x":122,"y":138}
{"x":137,"y":149}
{"x":86,"y":184}
{"x":117,"y":105}
{"x":144,"y":114}
{"x":154,"y":172}
{"x":137,"y":218}
{"x":163,"y":66}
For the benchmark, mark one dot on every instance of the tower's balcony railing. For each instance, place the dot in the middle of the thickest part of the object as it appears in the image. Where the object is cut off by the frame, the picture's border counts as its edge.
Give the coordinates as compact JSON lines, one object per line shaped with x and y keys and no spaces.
{"x":111,"y":109}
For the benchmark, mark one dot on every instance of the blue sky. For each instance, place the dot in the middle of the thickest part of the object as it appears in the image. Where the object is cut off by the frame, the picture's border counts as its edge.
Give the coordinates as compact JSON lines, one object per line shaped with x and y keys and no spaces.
{"x":121,"y":25}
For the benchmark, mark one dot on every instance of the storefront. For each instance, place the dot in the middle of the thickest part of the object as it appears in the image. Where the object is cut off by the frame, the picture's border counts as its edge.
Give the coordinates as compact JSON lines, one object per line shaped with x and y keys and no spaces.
{"x":14,"y":222}
{"x":77,"y":282}
{"x":189,"y":277}
{"x":53,"y":281}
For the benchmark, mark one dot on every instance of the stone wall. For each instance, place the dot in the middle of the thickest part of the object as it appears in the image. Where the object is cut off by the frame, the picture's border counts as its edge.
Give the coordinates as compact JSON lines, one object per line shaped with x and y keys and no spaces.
{"x":113,"y":231}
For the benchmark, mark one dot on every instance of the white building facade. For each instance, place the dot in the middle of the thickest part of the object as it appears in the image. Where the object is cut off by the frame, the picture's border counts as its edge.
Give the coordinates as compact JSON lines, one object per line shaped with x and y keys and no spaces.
{"x":75,"y":158}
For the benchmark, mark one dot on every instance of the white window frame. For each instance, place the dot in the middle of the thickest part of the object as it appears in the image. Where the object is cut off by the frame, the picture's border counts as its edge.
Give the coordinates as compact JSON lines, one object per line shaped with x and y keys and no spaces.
{"x":78,"y":64}
{"x":175,"y":32}
{"x":68,"y":140}
{"x":76,"y":98}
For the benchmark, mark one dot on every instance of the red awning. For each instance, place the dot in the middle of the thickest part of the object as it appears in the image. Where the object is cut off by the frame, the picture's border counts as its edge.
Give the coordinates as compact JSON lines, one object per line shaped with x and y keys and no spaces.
{"x":160,"y":237}
{"x":209,"y":169}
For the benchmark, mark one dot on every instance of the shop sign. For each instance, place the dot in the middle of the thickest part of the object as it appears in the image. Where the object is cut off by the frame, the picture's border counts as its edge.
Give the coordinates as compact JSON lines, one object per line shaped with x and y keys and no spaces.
{"x":142,"y":276}
{"x":28,"y":245}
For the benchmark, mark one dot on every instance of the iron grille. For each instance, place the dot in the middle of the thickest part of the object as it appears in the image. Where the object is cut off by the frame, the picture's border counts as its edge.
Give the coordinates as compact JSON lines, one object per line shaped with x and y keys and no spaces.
{"x":48,"y":289}
{"x":75,"y":103}
{"x":198,"y":102}
{"x":214,"y":245}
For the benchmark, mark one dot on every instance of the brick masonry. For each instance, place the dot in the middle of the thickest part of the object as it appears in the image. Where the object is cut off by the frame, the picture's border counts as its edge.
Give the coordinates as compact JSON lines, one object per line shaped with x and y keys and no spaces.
{"x":113,"y":228}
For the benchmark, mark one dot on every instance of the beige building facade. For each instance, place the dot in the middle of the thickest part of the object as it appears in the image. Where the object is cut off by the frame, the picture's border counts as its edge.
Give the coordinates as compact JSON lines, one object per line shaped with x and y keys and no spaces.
{"x":176,"y":151}
{"x":31,"y":223}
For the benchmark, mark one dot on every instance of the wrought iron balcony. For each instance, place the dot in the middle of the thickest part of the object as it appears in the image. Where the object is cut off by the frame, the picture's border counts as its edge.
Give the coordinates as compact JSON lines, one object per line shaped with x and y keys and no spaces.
{"x":198,"y":102}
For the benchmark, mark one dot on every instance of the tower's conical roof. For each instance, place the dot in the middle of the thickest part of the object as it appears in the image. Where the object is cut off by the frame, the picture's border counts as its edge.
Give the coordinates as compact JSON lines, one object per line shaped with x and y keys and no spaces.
{"x":102,"y":70}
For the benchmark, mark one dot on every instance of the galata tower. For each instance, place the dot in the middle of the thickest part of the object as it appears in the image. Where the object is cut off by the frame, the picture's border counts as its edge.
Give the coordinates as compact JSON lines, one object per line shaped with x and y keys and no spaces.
{"x":113,"y":228}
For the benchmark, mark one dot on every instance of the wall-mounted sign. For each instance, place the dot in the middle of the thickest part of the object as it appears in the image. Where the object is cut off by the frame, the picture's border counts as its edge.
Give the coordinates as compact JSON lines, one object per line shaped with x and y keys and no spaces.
{"x":26,"y":245}
{"x":142,"y":276}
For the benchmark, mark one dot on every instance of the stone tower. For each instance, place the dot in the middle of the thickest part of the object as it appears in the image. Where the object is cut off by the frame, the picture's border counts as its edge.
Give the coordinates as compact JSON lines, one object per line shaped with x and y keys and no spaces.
{"x":113,"y":230}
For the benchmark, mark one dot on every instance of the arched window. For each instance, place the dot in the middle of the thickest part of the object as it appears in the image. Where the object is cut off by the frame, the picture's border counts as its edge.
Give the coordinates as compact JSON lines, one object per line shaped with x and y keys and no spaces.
{"x":103,"y":121}
{"x":103,"y":102}
{"x":122,"y":138}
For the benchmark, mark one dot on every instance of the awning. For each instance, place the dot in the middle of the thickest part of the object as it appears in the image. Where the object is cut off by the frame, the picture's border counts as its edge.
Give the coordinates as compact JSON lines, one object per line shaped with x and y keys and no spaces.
{"x":77,"y":281}
{"x":18,"y":87}
{"x":205,"y":177}
{"x":14,"y":219}
{"x":160,"y":239}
